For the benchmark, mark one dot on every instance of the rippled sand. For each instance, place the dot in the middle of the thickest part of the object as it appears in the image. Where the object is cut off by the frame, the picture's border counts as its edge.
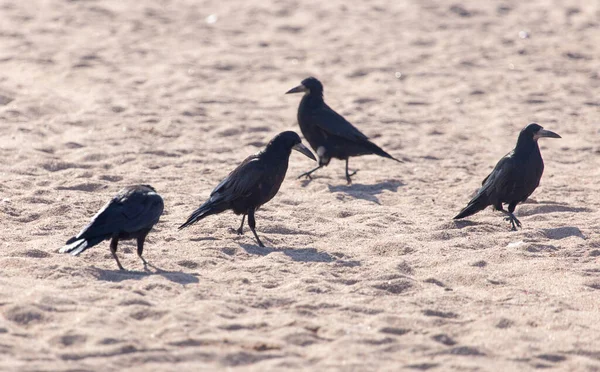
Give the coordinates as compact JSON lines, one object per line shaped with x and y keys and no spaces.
{"x":95,"y":95}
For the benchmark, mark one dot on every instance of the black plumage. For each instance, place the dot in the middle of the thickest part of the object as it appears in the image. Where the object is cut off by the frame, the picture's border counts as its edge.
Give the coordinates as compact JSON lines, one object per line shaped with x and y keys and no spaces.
{"x":514,"y":178}
{"x":131,"y":214}
{"x":252,"y":183}
{"x":328,"y":133}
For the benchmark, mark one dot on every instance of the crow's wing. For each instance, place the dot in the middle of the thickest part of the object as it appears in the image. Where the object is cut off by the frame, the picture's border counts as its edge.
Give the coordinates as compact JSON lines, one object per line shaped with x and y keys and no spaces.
{"x":500,"y":164}
{"x":502,"y":180}
{"x":334,"y":124}
{"x":125,"y":213}
{"x":241,"y":181}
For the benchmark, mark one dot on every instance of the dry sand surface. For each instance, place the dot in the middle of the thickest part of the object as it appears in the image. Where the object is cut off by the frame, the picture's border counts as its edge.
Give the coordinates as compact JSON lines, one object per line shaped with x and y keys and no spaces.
{"x":96,"y":95}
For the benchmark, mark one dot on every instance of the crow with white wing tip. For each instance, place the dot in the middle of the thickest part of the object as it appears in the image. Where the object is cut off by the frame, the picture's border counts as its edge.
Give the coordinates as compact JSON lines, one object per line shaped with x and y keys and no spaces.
{"x":131,"y":214}
{"x":253,"y":183}
{"x":514,"y":178}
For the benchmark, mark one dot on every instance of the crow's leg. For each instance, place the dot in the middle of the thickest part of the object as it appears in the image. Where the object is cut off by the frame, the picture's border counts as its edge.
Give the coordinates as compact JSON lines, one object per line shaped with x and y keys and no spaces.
{"x":510,"y":216}
{"x":308,"y":174}
{"x":240,"y":231}
{"x":140,"y":246}
{"x":113,"y":251}
{"x":252,"y":224}
{"x":511,"y":210}
{"x":348,"y":175}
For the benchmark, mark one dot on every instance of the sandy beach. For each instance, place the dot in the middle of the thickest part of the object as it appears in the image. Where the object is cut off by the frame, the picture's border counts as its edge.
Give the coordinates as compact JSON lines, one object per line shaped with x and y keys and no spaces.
{"x":372,"y":276}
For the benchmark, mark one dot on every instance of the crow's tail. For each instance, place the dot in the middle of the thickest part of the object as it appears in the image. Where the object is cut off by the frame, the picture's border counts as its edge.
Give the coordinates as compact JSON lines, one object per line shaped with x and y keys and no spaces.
{"x":204,"y":210}
{"x":379,"y":151}
{"x":76,"y":245}
{"x":478,"y":203}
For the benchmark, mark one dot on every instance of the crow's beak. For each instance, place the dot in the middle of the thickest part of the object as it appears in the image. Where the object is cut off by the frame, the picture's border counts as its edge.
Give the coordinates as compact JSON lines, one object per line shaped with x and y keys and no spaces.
{"x":546,"y":133}
{"x":299,"y":89}
{"x":304,"y":150}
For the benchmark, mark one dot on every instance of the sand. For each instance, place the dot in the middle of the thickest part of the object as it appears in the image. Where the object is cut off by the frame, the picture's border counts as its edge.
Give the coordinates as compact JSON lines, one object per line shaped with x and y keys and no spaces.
{"x":97,"y":95}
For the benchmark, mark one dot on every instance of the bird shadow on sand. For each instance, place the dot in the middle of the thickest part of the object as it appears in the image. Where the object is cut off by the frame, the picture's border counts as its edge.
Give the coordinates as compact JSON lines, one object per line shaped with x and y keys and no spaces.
{"x":460,"y":224}
{"x":550,"y":233}
{"x":121,"y":275}
{"x":300,"y":254}
{"x":563,"y":232}
{"x":367,"y":192}
{"x":533,"y":208}
{"x":501,"y":224}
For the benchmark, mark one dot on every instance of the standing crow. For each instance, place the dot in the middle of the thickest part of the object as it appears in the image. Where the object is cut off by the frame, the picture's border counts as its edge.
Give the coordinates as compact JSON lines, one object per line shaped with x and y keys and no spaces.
{"x":131,"y":214}
{"x":328,"y":133}
{"x":252,"y":183}
{"x":515,"y":177}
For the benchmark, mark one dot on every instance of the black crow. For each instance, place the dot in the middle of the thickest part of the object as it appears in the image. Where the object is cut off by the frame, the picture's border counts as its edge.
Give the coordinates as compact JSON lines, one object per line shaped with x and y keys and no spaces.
{"x":252,"y":183}
{"x":131,"y":214}
{"x":328,"y":133}
{"x":514,"y":178}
